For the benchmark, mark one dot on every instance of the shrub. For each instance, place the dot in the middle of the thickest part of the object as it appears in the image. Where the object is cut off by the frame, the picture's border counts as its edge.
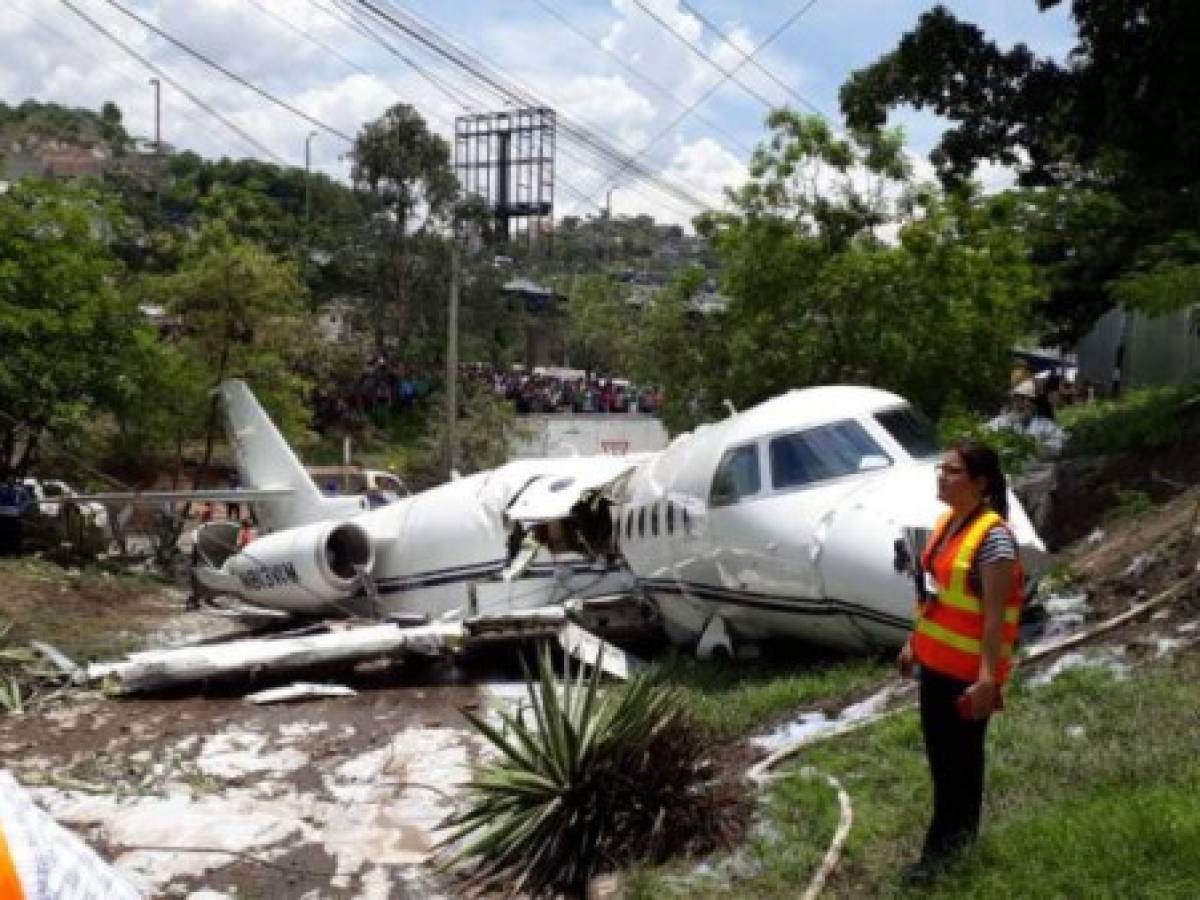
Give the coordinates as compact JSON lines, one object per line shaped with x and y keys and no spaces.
{"x":594,"y":783}
{"x":1144,"y":419}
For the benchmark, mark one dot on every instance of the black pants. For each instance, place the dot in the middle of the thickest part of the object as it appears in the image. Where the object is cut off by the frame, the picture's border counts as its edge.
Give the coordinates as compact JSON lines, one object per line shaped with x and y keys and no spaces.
{"x":954,"y":747}
{"x":11,"y":529}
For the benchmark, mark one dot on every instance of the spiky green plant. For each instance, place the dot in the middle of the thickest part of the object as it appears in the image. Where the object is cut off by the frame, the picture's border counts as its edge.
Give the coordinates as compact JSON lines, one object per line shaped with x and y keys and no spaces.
{"x":584,"y":782}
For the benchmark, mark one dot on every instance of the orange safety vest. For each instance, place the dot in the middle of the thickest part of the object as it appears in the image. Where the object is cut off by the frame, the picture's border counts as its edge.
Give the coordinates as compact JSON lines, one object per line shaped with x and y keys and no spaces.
{"x":947,"y":637}
{"x":10,"y":884}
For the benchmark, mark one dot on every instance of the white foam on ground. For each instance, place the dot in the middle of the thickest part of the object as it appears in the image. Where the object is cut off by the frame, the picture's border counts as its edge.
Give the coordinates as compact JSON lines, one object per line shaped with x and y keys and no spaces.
{"x":234,"y":754}
{"x":1109,"y":658}
{"x":812,"y":723}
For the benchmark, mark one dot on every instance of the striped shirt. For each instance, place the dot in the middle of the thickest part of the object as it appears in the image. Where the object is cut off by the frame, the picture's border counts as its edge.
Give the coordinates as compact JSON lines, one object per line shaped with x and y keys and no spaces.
{"x":998,"y":544}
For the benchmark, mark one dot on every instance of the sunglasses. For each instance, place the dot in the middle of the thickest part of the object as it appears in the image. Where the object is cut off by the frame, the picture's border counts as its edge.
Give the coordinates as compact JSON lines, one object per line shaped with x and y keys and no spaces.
{"x":950,"y":469}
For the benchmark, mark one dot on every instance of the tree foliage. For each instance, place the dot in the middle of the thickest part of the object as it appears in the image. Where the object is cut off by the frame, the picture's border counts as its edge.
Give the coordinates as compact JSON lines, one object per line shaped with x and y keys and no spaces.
{"x":1119,"y":120}
{"x":409,"y":191}
{"x":818,"y":296}
{"x":68,"y":334}
{"x":597,"y":324}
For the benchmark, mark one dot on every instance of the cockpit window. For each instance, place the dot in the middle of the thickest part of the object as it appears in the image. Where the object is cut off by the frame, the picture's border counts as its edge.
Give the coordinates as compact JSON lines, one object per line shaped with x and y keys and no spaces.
{"x":737,"y":476}
{"x":912,"y":431}
{"x":828,"y":451}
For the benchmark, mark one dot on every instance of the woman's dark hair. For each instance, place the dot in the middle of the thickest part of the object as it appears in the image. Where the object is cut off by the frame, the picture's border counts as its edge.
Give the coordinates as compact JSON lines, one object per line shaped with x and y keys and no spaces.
{"x":982,"y":462}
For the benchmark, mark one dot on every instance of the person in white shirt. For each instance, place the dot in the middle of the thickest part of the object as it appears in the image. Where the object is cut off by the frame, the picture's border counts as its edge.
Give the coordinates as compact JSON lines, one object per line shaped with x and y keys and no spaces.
{"x":1021,"y":418}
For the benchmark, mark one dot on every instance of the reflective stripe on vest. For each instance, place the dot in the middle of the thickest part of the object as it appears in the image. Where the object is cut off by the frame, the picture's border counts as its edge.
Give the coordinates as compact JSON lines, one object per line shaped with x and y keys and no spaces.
{"x":949,"y":630}
{"x":10,"y":885}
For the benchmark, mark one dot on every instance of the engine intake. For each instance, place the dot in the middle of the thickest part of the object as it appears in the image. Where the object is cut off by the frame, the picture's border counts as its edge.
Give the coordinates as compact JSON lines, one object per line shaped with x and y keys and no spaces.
{"x":303,"y":569}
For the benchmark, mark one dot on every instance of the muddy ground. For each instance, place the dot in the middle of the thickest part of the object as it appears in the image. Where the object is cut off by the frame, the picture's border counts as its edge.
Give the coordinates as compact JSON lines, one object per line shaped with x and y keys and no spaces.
{"x":185,"y":793}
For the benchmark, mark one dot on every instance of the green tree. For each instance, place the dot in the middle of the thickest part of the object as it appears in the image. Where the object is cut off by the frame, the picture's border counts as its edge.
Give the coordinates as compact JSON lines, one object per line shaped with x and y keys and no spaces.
{"x":818,"y":296}
{"x":597,"y":324}
{"x":409,"y":192}
{"x":68,"y":333}
{"x":673,"y":347}
{"x":241,"y":313}
{"x":1119,"y":120}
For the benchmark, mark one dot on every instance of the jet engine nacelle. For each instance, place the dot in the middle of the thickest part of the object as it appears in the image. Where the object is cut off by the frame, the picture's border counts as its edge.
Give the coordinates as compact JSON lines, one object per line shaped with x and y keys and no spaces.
{"x":303,"y":569}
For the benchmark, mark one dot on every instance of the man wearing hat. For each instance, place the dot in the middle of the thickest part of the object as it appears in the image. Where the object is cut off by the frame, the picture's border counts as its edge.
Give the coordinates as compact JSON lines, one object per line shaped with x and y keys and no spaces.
{"x":1036,"y":483}
{"x":1021,"y":417}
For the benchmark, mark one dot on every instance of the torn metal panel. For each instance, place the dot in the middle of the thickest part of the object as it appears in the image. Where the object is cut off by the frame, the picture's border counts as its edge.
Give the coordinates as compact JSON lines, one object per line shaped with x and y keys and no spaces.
{"x":300,"y":690}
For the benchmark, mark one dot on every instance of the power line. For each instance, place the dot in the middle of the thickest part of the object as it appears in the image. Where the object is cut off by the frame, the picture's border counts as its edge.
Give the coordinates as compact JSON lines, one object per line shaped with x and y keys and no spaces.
{"x":523,"y":96}
{"x":253,"y":142}
{"x":800,"y":98}
{"x":468,"y":101}
{"x":68,"y":39}
{"x":640,"y":76}
{"x":784,"y":26}
{"x":728,"y":73}
{"x":244,"y":82}
{"x":364,"y":30}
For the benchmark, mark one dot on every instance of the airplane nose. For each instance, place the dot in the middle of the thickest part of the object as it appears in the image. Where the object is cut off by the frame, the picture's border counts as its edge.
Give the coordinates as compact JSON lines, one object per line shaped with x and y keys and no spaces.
{"x":866,"y":558}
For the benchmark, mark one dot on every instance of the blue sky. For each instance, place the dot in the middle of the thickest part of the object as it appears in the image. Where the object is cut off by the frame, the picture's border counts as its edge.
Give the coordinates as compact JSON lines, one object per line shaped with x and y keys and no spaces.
{"x":58,"y":57}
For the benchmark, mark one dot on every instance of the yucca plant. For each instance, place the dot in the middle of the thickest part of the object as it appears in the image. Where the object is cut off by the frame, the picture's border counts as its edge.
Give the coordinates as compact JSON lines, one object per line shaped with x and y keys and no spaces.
{"x":584,"y":782}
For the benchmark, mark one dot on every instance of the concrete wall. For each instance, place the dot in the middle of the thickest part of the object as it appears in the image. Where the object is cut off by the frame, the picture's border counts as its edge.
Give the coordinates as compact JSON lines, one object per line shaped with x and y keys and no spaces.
{"x":568,"y":435}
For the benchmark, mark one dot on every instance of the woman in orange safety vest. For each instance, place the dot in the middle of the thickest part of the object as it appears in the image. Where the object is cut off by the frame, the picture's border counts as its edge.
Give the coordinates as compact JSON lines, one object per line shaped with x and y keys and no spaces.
{"x":962,"y":642}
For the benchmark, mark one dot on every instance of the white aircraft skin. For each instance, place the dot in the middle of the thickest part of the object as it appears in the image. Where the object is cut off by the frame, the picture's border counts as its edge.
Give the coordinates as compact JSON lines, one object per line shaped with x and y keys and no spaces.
{"x":423,"y":552}
{"x":814,"y":560}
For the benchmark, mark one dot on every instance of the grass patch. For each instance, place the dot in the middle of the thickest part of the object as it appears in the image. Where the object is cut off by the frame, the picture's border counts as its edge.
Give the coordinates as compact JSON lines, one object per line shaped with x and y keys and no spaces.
{"x":732,"y":699}
{"x":88,"y":613}
{"x":1093,"y":791}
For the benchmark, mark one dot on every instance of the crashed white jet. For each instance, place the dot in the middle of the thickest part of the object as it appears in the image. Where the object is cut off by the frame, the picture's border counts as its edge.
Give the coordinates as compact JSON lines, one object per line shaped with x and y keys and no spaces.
{"x":784,"y":520}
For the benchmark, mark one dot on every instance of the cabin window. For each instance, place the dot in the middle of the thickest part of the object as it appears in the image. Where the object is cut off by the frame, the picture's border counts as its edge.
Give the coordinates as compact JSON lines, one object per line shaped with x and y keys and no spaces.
{"x":828,"y":451}
{"x":687,"y":521}
{"x":670,"y":517}
{"x":654,"y":520}
{"x":642,"y":522}
{"x":912,"y":431}
{"x":629,"y":525}
{"x":737,"y":476}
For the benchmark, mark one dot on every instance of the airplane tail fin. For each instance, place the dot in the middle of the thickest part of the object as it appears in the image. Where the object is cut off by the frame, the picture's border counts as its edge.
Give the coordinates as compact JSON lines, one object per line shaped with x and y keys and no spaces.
{"x":265,"y":460}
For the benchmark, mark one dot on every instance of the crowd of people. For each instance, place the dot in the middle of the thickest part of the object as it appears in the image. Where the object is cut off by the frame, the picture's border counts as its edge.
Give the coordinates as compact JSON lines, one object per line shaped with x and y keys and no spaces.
{"x":387,"y":386}
{"x":556,"y":390}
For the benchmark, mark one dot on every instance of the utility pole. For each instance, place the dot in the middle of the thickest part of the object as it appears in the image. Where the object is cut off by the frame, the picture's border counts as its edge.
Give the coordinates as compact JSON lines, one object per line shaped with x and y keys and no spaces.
{"x":608,"y":229}
{"x":452,"y":358}
{"x":307,"y":178}
{"x":307,"y":203}
{"x":157,"y":115}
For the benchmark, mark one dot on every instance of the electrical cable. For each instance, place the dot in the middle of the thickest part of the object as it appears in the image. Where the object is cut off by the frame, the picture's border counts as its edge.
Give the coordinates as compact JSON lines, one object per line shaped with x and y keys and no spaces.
{"x":459,"y":99}
{"x":800,"y":98}
{"x":364,"y":29}
{"x":728,"y":73}
{"x":784,"y":26}
{"x":85,"y":51}
{"x":244,"y":82}
{"x":249,"y":139}
{"x":437,"y":43}
{"x":733,"y":139}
